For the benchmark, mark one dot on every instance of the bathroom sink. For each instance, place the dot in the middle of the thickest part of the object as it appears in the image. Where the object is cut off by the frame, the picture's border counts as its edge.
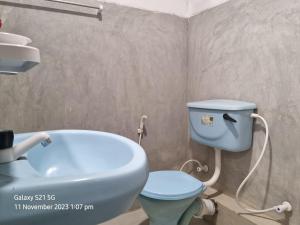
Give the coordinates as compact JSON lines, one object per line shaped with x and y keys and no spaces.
{"x":81,"y":178}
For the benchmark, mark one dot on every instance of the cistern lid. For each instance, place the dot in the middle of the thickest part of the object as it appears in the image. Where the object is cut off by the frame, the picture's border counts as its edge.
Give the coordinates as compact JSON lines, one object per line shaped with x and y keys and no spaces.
{"x":171,"y":185}
{"x":222,"y":104}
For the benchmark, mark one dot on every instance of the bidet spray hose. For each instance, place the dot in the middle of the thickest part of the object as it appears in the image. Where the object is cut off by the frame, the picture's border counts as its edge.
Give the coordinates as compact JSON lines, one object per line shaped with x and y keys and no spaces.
{"x":249,"y":210}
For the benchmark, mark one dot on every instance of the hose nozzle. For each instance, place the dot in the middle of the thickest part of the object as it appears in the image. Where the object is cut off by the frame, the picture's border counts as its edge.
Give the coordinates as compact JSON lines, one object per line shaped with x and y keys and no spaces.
{"x":284,"y":207}
{"x":142,"y":129}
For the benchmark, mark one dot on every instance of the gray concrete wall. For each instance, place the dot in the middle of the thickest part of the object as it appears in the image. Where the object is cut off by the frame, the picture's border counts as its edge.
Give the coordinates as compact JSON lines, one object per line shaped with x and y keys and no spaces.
{"x":250,"y":50}
{"x":102,"y":76}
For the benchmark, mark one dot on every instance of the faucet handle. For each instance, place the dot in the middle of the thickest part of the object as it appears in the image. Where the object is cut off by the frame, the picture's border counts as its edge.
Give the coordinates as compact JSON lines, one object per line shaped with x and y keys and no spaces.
{"x":6,"y":139}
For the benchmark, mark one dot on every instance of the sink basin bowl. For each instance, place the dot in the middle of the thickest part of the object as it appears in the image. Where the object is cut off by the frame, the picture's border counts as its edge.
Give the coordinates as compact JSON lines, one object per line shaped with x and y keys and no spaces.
{"x":81,"y":178}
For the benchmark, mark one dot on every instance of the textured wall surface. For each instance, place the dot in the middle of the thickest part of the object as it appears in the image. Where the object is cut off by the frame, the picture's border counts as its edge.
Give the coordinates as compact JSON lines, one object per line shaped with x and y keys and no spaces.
{"x":250,"y":50}
{"x":102,"y":76}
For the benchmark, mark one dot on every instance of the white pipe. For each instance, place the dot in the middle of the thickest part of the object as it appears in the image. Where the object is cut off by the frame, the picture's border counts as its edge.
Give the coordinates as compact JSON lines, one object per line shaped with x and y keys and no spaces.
{"x":217,"y":171}
{"x":208,"y":208}
{"x":285,"y":206}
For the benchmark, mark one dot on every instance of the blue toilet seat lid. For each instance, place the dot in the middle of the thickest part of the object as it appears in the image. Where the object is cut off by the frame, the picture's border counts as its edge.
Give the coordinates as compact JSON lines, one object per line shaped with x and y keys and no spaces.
{"x":171,"y":185}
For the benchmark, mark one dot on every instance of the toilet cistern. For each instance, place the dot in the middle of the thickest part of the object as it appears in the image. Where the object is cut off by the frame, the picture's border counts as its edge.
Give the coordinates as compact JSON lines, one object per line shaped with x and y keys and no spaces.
{"x":9,"y":153}
{"x":227,"y":125}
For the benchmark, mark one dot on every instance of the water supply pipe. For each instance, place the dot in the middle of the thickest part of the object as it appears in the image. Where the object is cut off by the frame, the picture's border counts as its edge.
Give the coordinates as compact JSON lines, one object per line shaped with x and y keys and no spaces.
{"x":284,"y":206}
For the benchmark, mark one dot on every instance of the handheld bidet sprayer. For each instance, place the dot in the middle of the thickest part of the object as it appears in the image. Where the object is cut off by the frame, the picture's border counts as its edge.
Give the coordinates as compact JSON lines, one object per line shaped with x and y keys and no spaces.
{"x":142,"y":129}
{"x":284,"y":206}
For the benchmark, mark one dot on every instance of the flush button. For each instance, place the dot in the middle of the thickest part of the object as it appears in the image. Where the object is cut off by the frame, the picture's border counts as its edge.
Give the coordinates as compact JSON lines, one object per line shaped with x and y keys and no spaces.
{"x":207,"y":120}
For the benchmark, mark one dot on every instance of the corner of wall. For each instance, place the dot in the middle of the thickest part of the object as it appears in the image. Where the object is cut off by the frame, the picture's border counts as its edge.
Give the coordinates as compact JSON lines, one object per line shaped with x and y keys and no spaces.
{"x":197,"y":6}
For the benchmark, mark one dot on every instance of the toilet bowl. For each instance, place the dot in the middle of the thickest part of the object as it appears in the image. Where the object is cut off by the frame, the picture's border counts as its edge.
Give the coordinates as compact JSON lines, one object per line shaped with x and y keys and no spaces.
{"x":167,"y":195}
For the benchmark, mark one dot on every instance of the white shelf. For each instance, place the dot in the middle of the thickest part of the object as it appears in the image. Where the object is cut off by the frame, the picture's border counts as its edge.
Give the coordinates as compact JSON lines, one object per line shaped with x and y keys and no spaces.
{"x":15,"y":55}
{"x":15,"y":39}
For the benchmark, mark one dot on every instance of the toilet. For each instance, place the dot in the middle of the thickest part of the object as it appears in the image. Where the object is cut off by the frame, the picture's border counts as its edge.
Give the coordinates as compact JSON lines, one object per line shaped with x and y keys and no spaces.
{"x":168,"y":197}
{"x":168,"y":194}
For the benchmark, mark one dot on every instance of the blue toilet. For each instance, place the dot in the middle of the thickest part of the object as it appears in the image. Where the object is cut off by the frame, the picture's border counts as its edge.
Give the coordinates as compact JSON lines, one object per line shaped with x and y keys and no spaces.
{"x":168,"y":194}
{"x":169,"y":197}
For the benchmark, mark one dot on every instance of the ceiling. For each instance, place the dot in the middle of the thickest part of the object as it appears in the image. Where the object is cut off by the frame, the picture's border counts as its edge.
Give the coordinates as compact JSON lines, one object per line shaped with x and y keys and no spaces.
{"x":182,"y":8}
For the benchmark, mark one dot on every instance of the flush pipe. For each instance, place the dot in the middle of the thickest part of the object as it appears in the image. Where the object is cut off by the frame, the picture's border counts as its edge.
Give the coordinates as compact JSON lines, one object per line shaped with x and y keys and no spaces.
{"x":217,"y":171}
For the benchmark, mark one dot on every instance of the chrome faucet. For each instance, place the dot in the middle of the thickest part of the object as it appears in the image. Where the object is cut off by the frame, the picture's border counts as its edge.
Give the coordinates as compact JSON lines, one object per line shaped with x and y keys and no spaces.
{"x":13,"y":153}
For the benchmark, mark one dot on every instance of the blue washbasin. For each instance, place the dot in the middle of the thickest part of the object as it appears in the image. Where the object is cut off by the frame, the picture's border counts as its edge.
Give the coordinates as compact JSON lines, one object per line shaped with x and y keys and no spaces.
{"x":87,"y":177}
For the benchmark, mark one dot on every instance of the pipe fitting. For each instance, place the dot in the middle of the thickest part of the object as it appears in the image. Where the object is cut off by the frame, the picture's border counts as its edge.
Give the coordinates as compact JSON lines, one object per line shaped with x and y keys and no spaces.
{"x":209,"y":208}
